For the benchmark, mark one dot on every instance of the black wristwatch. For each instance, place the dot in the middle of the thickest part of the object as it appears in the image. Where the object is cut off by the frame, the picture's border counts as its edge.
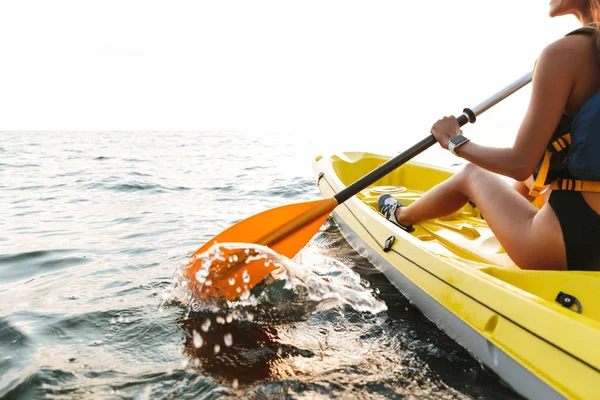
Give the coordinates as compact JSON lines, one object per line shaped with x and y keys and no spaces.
{"x":456,"y":142}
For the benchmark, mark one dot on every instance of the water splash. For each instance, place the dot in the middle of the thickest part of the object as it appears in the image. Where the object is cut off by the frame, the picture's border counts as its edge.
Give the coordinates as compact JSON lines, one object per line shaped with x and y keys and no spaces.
{"x":291,"y":292}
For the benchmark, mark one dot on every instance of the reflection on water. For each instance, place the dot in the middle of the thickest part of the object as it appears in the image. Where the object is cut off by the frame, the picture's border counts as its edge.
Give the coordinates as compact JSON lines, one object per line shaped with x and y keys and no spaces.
{"x":255,"y":353}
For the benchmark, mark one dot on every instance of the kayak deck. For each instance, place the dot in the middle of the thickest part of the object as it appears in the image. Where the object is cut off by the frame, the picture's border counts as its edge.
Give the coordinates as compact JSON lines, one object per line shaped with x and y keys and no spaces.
{"x":465,"y":237}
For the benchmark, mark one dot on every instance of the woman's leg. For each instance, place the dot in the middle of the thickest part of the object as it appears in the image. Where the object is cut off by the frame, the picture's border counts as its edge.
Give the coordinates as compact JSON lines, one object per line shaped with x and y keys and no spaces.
{"x":532,"y":239}
{"x":523,"y":188}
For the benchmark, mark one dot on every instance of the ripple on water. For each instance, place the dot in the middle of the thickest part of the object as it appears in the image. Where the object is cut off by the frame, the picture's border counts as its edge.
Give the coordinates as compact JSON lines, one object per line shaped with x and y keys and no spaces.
{"x":297,"y":188}
{"x":41,"y":382}
{"x":134,"y":187}
{"x":19,"y":266}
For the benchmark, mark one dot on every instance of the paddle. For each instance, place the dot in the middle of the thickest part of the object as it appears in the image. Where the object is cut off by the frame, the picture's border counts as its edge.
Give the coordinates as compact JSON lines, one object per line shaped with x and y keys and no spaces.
{"x":288,"y":229}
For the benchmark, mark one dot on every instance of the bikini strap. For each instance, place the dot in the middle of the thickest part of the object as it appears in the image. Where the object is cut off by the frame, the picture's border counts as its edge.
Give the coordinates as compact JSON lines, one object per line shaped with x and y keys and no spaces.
{"x":584,"y":30}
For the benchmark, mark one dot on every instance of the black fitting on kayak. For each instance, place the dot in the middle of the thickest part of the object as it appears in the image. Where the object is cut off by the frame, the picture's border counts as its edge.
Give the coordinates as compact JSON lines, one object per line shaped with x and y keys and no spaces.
{"x":389,"y":243}
{"x":321,"y":175}
{"x":470,"y":114}
{"x":567,"y":301}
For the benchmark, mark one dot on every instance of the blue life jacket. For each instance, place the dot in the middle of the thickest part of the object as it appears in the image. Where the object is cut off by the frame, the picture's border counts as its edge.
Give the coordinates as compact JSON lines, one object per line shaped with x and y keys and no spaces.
{"x":572,"y":157}
{"x":584,"y":152}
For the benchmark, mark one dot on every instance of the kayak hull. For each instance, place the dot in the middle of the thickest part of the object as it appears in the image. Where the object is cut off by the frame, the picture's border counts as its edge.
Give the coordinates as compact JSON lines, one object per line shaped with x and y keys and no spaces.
{"x":466,"y":290}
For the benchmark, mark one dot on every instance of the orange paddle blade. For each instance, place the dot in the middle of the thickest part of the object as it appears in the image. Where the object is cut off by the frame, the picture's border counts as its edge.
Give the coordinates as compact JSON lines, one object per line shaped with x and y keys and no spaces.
{"x":285,"y":229}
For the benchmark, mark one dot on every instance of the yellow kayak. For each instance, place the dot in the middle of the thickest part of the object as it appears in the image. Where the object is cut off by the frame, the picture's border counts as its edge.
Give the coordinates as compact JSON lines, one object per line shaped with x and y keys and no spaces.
{"x":538,"y":330}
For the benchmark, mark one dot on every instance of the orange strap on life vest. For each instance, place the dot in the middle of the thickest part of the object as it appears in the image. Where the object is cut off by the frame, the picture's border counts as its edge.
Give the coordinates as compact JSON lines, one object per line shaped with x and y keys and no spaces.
{"x":575,"y":185}
{"x":540,"y":180}
{"x":559,"y":144}
{"x":537,"y":190}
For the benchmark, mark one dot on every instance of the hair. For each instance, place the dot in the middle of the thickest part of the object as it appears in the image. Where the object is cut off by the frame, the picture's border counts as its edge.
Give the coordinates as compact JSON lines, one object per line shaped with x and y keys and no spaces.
{"x":595,"y":13}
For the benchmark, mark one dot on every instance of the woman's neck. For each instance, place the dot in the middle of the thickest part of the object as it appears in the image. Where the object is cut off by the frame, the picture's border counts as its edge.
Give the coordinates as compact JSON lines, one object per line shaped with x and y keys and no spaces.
{"x":585,"y":18}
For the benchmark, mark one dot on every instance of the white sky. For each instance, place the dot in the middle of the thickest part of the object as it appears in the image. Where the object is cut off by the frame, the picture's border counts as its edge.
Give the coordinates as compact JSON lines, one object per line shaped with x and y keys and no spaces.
{"x":324,"y":66}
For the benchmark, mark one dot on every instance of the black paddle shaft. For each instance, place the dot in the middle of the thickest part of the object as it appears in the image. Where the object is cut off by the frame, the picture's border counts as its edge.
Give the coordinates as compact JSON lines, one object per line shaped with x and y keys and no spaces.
{"x":468,"y":115}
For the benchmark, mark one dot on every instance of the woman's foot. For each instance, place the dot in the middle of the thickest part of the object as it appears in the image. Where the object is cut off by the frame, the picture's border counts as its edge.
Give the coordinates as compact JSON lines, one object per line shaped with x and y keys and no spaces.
{"x":388,"y":206}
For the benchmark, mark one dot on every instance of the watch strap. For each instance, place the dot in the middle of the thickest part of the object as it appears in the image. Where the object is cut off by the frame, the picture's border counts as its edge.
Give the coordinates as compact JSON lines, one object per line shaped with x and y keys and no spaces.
{"x":456,"y":142}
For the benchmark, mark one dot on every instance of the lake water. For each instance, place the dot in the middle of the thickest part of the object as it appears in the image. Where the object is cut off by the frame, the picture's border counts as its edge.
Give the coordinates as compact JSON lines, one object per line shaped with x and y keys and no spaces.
{"x":94,"y":227}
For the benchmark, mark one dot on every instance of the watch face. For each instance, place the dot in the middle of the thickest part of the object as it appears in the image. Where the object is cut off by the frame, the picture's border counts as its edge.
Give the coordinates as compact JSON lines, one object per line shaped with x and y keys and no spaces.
{"x":457,"y":139}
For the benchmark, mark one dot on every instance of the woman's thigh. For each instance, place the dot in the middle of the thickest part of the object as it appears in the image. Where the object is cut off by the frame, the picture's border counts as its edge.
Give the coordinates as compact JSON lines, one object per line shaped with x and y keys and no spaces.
{"x":532,"y":239}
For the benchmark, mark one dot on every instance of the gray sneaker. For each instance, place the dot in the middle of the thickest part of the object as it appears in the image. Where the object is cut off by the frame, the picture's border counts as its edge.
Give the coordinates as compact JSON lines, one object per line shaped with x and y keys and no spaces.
{"x":388,"y":206}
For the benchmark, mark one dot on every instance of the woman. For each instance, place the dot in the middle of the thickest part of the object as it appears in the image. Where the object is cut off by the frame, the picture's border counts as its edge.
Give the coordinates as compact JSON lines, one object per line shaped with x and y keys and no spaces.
{"x":565,"y":232}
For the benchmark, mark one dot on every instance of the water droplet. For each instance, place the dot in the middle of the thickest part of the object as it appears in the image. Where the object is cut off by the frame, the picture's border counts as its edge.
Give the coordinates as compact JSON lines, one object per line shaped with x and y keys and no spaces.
{"x":198,"y":341}
{"x":208,"y":282}
{"x":235,"y":384}
{"x":220,"y":320}
{"x":231,"y":281}
{"x":279,"y":351}
{"x":250,"y":317}
{"x":206,"y":325}
{"x":217,"y":349}
{"x":228,"y":339}
{"x":246,"y":276}
{"x":229,"y":318}
{"x":245,"y":295}
{"x":200,"y":276}
{"x":197,"y":362}
{"x":238,"y":289}
{"x":235,"y":258}
{"x":247,"y":251}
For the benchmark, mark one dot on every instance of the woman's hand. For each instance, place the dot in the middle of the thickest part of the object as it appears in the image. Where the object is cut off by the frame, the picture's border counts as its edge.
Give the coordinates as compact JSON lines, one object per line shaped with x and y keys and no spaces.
{"x":444,"y":130}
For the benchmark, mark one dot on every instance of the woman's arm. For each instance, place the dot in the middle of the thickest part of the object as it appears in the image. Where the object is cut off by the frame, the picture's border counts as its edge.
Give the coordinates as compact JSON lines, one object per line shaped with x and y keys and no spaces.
{"x":554,"y":78}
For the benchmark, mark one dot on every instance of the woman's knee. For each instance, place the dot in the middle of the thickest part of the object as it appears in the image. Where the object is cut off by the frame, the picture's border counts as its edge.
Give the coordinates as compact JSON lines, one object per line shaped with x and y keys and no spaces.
{"x":469,"y":173}
{"x":471,"y":169}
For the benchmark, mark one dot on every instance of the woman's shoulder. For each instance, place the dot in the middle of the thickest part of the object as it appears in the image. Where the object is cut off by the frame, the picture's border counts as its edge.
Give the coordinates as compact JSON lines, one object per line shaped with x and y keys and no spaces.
{"x":570,"y":46}
{"x":566,"y":55}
